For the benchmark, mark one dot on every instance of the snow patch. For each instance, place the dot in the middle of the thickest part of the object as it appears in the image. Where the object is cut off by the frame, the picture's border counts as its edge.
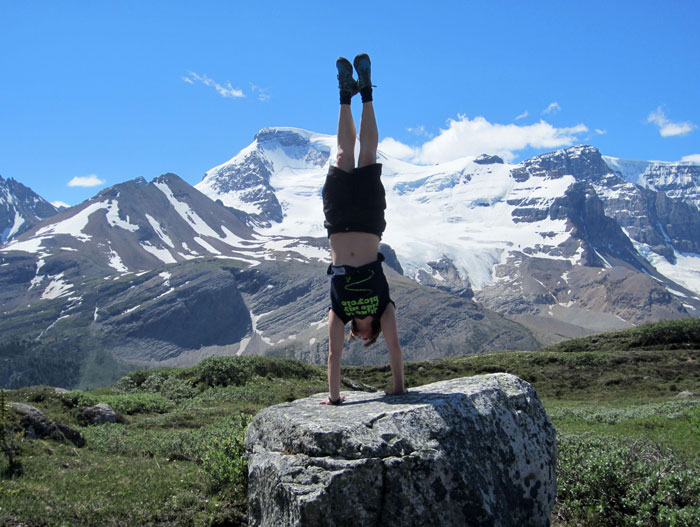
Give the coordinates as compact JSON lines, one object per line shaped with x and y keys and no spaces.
{"x":56,"y":288}
{"x":254,"y":319}
{"x":115,"y":262}
{"x":162,"y":254}
{"x":115,"y":221}
{"x":685,"y":272}
{"x":243,"y":345}
{"x":208,"y":247}
{"x":159,"y":231}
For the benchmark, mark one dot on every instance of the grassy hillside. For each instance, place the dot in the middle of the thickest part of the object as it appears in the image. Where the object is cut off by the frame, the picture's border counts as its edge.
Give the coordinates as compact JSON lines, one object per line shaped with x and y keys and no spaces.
{"x":629,"y":449}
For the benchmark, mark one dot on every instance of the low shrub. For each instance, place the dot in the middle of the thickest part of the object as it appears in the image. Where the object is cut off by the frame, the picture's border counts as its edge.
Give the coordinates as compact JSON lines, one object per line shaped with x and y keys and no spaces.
{"x":223,"y":459}
{"x":668,"y":334}
{"x":137,"y":403}
{"x":615,"y":415}
{"x":226,"y":371}
{"x":219,"y":448}
{"x":612,"y":482}
{"x":685,"y":332}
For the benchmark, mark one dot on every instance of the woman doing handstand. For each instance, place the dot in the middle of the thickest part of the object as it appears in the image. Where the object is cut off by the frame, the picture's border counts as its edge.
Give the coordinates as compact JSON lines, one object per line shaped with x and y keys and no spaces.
{"x":353,"y":204}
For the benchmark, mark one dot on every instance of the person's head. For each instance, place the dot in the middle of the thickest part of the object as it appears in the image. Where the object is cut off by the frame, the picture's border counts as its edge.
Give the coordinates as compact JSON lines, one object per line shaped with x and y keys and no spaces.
{"x":367,"y":329}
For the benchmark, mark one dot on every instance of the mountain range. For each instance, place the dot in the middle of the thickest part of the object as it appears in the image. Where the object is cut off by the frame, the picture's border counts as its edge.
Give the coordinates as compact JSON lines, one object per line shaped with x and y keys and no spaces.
{"x":481,"y":255}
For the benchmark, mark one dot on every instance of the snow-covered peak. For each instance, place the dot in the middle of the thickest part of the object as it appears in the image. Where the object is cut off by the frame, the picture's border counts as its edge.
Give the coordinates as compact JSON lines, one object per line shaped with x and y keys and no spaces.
{"x":283,"y":147}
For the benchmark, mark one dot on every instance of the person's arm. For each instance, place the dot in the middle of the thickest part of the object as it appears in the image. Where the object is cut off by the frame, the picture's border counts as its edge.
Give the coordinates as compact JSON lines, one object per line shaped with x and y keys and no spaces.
{"x":336,"y":341}
{"x":391,"y":337}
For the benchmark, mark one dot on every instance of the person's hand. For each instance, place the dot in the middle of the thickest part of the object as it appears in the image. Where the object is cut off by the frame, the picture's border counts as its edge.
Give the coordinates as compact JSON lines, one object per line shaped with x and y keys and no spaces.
{"x":328,"y":401}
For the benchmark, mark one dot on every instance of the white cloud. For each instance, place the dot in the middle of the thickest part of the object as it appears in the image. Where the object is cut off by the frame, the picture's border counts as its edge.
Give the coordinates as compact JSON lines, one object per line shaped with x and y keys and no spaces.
{"x":86,"y":181}
{"x":600,"y":132}
{"x":668,"y":128}
{"x":224,"y":90}
{"x":692,"y":158}
{"x":397,"y":149}
{"x":522,"y":115}
{"x":552,"y":108}
{"x":471,"y":137}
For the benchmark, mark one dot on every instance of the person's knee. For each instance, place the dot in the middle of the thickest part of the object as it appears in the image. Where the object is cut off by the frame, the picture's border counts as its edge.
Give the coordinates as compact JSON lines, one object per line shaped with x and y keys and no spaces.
{"x":345,"y":160}
{"x":367,"y":157}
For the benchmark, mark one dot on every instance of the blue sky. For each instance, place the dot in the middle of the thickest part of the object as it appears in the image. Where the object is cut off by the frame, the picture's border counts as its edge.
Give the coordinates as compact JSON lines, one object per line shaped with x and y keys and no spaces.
{"x":109,"y":91}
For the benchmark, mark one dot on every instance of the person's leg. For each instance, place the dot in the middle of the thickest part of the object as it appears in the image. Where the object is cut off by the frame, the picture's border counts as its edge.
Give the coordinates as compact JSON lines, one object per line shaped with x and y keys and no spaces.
{"x":369,"y":136}
{"x":346,"y":125}
{"x":346,"y":139}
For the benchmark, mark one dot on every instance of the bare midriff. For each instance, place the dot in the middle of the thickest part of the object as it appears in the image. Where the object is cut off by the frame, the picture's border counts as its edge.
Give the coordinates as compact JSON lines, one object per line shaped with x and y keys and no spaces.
{"x":353,"y":248}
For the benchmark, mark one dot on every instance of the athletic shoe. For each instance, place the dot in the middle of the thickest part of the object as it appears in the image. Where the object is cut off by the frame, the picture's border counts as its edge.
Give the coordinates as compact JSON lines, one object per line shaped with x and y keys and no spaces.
{"x":346,"y":83}
{"x":363,"y":67}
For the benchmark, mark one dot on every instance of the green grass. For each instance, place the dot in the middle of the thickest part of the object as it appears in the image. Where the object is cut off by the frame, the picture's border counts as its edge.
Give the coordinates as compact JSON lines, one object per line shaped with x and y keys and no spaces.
{"x":629,"y":450}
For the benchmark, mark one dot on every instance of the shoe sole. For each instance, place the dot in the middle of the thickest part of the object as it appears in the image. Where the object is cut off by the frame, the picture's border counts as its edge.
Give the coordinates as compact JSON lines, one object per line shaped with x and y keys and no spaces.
{"x":357,"y":63}
{"x":345,"y":64}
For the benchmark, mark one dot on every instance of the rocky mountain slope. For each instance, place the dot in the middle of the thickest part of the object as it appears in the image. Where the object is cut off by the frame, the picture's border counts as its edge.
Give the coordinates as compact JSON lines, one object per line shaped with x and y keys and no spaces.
{"x":20,"y":209}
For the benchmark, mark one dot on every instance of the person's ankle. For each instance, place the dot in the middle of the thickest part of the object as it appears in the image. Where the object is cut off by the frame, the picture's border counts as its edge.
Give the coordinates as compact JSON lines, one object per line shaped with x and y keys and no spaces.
{"x":366,"y":94}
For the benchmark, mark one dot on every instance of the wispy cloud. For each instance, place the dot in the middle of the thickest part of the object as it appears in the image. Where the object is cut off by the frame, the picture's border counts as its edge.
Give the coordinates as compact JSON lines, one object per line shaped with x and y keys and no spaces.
{"x":692,"y":158}
{"x":86,"y":181}
{"x":420,"y":131}
{"x":225,"y":90}
{"x":522,"y":115}
{"x":668,"y":128}
{"x":470,"y":137}
{"x":552,"y":108}
{"x":261,"y":93}
{"x":600,"y":132}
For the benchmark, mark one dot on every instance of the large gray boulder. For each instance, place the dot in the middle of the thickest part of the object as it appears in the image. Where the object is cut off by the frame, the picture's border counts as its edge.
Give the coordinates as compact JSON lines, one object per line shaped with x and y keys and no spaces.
{"x":476,"y":451}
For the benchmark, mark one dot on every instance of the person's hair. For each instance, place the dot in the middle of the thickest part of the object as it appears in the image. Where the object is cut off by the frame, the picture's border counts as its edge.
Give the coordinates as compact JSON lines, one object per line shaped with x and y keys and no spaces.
{"x":376,"y":330}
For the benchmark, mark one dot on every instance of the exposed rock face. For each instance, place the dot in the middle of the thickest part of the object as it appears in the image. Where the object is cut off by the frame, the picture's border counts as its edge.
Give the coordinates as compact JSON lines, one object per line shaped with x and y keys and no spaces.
{"x":486,"y":159}
{"x":445,"y":276}
{"x":20,"y":209}
{"x":584,"y":162}
{"x":38,"y":426}
{"x":476,"y":451}
{"x":99,"y":414}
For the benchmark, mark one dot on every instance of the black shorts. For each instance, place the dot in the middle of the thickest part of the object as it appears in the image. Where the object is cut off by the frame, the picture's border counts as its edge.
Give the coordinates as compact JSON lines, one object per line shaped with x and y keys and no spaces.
{"x":355,"y":201}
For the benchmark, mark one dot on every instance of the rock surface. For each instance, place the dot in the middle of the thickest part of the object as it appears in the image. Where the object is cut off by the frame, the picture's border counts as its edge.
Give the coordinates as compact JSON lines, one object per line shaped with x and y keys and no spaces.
{"x":476,"y":451}
{"x":98,"y":415}
{"x":37,"y":426}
